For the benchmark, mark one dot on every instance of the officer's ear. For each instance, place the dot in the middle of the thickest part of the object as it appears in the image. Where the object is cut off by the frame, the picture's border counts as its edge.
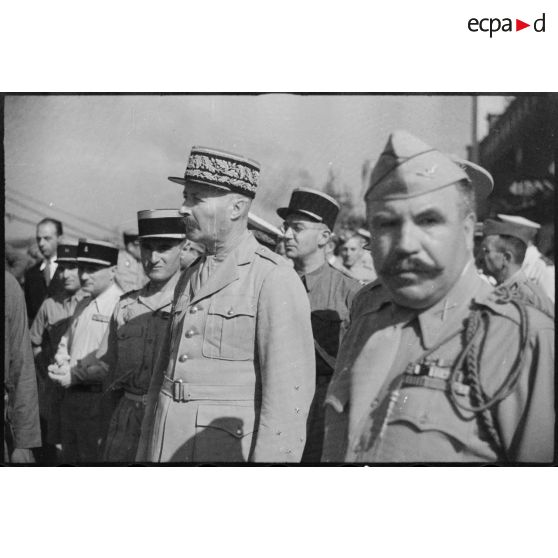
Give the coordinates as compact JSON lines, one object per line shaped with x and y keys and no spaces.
{"x":469,"y":228}
{"x":240,"y":206}
{"x":324,"y":236}
{"x":508,"y":256}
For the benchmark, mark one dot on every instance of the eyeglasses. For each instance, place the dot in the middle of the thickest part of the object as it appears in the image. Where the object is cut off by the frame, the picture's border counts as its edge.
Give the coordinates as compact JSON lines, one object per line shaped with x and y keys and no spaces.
{"x":297,"y":228}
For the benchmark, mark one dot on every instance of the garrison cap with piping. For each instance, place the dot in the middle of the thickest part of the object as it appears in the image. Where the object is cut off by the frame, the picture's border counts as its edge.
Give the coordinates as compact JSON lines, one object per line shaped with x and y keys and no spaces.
{"x":531,"y":226}
{"x":409,"y":167}
{"x":493,"y":227}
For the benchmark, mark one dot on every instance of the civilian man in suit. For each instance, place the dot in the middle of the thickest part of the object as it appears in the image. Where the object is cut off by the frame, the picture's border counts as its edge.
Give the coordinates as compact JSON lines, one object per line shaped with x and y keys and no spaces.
{"x":43,"y":279}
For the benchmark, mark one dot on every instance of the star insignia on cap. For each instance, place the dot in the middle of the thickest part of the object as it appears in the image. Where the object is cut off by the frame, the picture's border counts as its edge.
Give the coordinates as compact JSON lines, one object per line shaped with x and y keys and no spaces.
{"x":86,"y":249}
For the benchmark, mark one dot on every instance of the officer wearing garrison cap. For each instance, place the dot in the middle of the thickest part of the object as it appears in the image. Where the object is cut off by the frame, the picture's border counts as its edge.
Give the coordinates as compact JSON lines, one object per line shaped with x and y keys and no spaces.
{"x":81,"y":417}
{"x":237,"y":377}
{"x":535,"y":266}
{"x":137,"y":328}
{"x":504,"y":246}
{"x":435,"y":366}
{"x":308,"y":223}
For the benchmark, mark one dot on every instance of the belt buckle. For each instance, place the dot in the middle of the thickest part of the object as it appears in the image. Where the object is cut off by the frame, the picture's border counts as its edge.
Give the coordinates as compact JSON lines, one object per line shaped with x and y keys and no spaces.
{"x":177,"y":390}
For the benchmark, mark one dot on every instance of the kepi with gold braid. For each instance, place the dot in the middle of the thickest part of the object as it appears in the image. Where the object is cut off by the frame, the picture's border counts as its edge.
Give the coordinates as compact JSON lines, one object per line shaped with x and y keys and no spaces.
{"x":221,"y":169}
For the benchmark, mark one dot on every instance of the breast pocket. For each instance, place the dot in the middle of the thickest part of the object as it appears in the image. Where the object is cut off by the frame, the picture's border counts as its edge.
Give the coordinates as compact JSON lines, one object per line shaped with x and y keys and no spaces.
{"x":230,"y":328}
{"x":431,"y":410}
{"x":223,"y":433}
{"x":130,"y":346}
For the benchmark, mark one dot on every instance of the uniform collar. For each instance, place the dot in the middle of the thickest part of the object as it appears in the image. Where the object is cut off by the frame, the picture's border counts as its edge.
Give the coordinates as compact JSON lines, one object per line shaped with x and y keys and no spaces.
{"x":314,"y":277}
{"x":518,"y":277}
{"x":106,"y":300}
{"x":227,"y":270}
{"x":156,"y":300}
{"x":447,"y":315}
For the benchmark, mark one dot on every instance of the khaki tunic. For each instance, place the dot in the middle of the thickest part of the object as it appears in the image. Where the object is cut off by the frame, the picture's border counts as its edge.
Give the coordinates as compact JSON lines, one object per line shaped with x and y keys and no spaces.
{"x":373,"y":416}
{"x":242,"y":359}
{"x":129,"y":351}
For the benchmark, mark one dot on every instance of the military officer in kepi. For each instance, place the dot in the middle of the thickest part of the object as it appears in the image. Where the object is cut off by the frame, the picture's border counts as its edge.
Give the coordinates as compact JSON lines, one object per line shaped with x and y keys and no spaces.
{"x":308,"y":224}
{"x":238,"y":375}
{"x":137,"y":328}
{"x":435,"y":367}
{"x":504,"y":247}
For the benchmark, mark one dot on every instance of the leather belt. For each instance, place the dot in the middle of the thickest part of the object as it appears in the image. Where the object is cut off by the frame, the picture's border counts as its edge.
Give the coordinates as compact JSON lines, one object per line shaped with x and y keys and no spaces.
{"x":136,"y":397}
{"x":87,"y":388}
{"x":183,"y":391}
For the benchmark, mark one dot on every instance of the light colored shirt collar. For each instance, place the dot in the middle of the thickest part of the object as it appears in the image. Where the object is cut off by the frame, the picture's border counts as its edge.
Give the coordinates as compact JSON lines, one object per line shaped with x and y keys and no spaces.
{"x":53,"y":265}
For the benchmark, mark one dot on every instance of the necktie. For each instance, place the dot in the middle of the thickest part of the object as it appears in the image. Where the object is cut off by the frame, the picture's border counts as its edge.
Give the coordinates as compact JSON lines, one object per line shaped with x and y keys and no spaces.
{"x":46,"y":272}
{"x":303,"y":279}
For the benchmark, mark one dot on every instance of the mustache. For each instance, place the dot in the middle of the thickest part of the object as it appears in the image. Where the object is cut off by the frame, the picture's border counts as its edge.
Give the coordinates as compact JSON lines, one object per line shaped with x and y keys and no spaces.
{"x":189,"y":223}
{"x":409,"y":265}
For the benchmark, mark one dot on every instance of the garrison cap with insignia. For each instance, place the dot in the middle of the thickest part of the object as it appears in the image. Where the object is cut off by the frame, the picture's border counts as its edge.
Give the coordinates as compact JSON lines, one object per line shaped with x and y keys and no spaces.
{"x":97,"y":252}
{"x":529,"y":226}
{"x":67,"y":252}
{"x":222,"y":170}
{"x":493,"y":227}
{"x":161,"y":223}
{"x":312,"y":203}
{"x":408,"y":167}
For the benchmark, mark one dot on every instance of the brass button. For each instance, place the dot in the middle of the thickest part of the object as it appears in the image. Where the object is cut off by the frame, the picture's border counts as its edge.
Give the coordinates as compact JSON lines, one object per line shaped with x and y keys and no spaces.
{"x":183,"y":358}
{"x":189,"y":333}
{"x":230,"y":312}
{"x":238,"y":431}
{"x":193,"y":310}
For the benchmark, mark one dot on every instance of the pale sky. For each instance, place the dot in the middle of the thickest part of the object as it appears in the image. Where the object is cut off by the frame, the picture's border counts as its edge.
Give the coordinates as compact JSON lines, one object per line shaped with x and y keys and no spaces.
{"x":103,"y":158}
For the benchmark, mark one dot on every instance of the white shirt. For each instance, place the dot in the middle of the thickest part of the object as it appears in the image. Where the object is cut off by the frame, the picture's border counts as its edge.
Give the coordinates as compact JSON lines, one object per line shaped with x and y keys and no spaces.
{"x":89,"y":325}
{"x":53,"y":266}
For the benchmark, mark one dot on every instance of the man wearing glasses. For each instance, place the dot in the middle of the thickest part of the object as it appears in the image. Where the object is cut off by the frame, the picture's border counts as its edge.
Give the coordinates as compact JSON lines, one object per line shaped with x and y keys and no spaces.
{"x":309,"y":221}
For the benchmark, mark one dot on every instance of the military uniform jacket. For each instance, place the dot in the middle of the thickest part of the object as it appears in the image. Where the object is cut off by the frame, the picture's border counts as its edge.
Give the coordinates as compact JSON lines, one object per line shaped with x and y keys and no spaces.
{"x":331,"y":293}
{"x":372,"y":415}
{"x":135,"y":335}
{"x":242,"y":363}
{"x":540,"y":270}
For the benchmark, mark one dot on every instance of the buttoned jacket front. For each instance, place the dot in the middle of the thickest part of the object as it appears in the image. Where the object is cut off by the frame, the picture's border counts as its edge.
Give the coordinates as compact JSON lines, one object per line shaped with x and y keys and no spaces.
{"x":242,"y":356}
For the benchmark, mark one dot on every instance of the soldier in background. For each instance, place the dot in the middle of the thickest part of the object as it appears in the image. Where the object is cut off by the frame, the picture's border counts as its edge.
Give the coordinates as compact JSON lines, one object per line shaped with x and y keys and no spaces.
{"x":308,"y":223}
{"x":81,"y":414}
{"x":137,"y":328}
{"x":435,"y":365}
{"x":129,"y":271}
{"x":504,"y":247}
{"x":357,"y":261}
{"x":536,"y":267}
{"x":50,"y":323}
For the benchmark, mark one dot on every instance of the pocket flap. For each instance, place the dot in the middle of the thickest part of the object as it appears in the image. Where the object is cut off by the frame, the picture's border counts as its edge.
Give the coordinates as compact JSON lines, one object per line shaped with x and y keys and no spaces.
{"x":427,"y":409}
{"x":231,"y":306}
{"x":129,"y":330}
{"x":233,"y":419}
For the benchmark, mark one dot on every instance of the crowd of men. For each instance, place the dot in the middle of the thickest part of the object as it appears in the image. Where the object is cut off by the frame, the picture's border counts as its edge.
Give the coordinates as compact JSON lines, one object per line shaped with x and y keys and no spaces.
{"x":217,"y":337}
